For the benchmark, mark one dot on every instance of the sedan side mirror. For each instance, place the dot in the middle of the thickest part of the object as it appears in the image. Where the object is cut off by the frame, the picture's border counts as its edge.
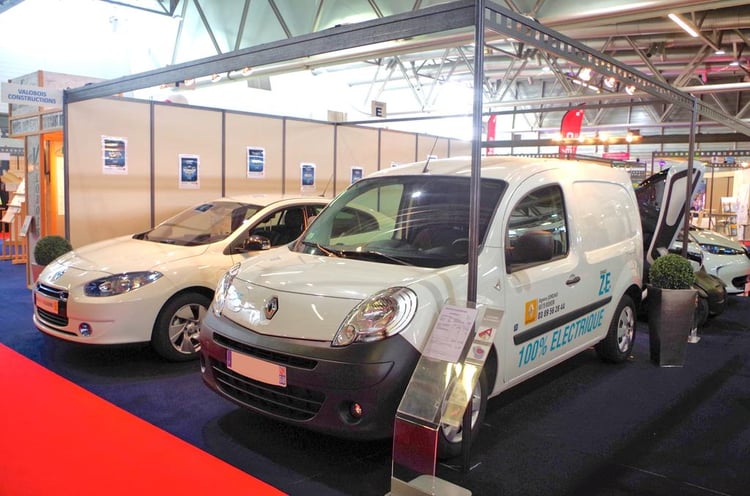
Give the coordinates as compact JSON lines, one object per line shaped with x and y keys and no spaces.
{"x":256,"y":242}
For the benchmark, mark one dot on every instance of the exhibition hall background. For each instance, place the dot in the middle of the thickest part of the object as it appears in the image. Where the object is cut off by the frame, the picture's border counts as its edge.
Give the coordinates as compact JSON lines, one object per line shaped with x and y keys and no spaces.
{"x":102,"y":205}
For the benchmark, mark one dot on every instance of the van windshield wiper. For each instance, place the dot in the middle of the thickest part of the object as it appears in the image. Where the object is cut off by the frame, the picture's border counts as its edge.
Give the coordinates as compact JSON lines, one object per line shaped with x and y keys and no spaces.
{"x":355,"y":254}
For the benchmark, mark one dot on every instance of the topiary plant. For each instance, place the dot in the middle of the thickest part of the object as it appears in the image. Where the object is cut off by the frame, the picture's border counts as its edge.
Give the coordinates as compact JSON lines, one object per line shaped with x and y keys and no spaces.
{"x":49,"y":248}
{"x":671,"y":271}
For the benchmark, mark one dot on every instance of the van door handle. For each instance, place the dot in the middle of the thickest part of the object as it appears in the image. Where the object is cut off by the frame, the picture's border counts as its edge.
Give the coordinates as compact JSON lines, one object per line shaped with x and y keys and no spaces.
{"x":573,"y":279}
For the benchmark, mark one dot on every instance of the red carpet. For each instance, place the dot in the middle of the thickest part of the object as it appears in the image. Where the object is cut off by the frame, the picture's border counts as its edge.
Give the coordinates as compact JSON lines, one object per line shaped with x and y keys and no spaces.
{"x":58,"y":439}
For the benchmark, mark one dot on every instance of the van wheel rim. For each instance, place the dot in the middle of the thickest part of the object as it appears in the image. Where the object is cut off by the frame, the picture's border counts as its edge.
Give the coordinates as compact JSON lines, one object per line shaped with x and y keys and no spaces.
{"x":625,"y":329}
{"x":455,"y":434}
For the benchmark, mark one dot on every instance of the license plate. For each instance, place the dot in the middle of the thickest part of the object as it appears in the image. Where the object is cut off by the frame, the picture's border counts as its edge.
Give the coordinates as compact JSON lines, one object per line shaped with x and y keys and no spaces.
{"x":254,"y":368}
{"x":47,"y":304}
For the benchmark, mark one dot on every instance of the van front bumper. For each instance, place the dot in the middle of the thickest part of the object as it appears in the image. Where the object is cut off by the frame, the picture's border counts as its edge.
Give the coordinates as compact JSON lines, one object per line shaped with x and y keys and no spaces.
{"x":324,"y":387}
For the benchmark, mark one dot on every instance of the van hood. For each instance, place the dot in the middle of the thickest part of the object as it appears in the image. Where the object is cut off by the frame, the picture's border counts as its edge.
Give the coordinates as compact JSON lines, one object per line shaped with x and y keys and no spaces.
{"x":126,"y":254}
{"x":302,"y":296}
{"x":333,"y":277}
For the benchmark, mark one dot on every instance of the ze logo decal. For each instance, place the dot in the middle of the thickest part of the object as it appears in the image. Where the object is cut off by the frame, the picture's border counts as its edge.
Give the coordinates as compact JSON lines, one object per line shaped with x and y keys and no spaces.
{"x":604,"y":283}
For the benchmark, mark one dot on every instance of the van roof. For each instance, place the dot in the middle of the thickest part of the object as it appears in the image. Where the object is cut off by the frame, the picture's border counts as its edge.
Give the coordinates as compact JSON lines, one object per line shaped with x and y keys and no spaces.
{"x":509,"y":168}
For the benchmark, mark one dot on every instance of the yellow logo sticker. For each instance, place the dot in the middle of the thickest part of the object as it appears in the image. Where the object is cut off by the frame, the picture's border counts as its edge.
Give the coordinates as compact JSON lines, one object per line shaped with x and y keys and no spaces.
{"x":531,"y":309}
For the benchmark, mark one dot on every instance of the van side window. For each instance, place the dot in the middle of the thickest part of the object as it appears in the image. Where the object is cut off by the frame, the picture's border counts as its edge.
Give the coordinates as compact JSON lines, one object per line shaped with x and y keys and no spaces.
{"x":537,"y":230}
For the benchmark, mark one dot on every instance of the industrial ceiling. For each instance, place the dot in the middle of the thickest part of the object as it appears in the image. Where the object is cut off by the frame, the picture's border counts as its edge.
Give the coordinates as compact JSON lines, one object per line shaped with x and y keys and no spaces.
{"x":416,"y":60}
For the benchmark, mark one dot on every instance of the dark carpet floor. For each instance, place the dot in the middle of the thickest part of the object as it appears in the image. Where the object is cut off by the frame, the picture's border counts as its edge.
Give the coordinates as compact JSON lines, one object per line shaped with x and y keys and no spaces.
{"x":584,"y":428}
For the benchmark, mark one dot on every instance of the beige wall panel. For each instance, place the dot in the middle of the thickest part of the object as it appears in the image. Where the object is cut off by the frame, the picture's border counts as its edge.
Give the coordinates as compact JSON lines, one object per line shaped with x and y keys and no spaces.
{"x":107,"y":205}
{"x":191,"y":131}
{"x":460,"y":148}
{"x":309,"y":142}
{"x":396,"y":147}
{"x":259,"y":132}
{"x":431,"y":145}
{"x":355,"y":147}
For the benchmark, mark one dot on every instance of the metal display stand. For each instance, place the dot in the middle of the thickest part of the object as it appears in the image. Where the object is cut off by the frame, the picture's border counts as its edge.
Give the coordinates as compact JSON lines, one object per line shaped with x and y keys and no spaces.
{"x":439,"y":392}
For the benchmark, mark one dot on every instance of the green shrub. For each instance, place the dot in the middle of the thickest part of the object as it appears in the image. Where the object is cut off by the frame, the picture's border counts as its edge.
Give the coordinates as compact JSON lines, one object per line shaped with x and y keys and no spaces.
{"x":49,"y":248}
{"x":671,"y":271}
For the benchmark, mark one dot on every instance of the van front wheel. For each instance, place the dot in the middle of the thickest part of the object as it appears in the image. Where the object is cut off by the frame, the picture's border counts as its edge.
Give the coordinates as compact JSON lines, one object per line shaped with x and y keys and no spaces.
{"x":450,"y":437}
{"x":617,"y":346}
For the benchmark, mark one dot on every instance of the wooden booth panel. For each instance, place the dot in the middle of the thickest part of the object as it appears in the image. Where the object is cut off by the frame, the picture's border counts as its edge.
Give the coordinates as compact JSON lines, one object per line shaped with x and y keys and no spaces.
{"x":397,"y":148}
{"x":460,"y":148}
{"x":107,"y":199}
{"x":180,"y":134}
{"x":356,"y":147}
{"x":309,"y":144}
{"x":244,"y":132}
{"x":431,"y":146}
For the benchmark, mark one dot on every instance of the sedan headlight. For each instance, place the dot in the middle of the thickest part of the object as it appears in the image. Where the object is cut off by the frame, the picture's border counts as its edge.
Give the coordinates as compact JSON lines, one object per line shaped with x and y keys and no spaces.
{"x":721,"y":250}
{"x":120,"y":283}
{"x":223,"y":288}
{"x":382,"y":315}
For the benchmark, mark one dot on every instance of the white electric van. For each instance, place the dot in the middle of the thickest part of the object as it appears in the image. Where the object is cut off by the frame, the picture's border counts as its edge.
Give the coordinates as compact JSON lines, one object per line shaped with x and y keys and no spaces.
{"x":326,"y":332}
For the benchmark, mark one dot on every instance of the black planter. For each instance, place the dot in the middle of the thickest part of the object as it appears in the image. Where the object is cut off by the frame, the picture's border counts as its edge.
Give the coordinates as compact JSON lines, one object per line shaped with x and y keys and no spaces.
{"x":670,"y":320}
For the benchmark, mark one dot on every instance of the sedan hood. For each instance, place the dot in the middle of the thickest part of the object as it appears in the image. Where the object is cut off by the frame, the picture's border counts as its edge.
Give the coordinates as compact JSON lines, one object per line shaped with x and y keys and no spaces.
{"x":126,"y":254}
{"x":293,"y":295}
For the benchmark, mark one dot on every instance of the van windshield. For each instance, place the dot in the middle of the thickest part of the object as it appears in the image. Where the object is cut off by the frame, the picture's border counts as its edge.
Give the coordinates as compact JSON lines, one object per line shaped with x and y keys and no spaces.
{"x":411,"y":220}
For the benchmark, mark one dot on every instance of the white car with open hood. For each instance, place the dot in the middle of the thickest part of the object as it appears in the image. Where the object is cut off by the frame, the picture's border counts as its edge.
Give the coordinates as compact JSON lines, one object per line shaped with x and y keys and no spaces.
{"x":155,"y":286}
{"x":326,"y":332}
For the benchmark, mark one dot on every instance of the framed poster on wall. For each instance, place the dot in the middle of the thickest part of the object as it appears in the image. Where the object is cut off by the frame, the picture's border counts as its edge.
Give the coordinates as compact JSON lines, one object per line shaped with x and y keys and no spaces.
{"x":357,"y":174}
{"x":189,"y":172}
{"x":114,"y":155}
{"x":256,"y":162}
{"x":307,"y":177}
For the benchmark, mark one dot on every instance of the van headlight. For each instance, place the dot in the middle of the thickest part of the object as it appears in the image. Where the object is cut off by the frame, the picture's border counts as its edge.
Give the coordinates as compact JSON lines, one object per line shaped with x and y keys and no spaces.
{"x":120,"y":283}
{"x":380,"y":316}
{"x":223,"y":289}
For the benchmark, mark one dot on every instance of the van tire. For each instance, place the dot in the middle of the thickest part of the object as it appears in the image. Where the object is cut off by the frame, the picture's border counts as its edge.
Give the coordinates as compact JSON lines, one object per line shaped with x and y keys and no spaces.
{"x":617,"y":345}
{"x":449,"y":438}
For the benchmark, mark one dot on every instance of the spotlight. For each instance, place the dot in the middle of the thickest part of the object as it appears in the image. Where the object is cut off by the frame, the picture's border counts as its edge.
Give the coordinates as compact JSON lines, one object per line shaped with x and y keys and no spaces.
{"x":216,"y":78}
{"x":609,"y":82}
{"x":585,"y":74}
{"x":630,"y":89}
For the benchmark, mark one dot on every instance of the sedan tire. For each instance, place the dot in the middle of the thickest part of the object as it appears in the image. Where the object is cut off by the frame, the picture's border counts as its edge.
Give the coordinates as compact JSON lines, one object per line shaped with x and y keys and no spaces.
{"x":177,"y":328}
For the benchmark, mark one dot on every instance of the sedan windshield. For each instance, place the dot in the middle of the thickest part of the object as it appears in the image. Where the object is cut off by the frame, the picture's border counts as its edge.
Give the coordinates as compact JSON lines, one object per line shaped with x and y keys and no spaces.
{"x":410,"y":220}
{"x":202,"y":224}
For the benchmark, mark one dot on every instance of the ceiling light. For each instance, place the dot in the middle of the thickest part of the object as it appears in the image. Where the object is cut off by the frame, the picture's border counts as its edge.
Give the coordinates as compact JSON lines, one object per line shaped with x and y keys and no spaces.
{"x":720,"y":52}
{"x":734,"y":63}
{"x":687,"y":26}
{"x":216,"y":78}
{"x":609,"y":82}
{"x":585,"y":74}
{"x":630,"y":89}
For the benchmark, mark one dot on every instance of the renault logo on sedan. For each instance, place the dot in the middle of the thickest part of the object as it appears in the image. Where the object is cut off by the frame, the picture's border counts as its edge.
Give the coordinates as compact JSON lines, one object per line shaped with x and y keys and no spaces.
{"x":272,"y":306}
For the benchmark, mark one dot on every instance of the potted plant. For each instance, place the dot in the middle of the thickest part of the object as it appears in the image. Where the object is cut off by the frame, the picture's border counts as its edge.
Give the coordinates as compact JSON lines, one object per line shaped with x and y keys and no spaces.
{"x":672,"y":301}
{"x":46,"y":250}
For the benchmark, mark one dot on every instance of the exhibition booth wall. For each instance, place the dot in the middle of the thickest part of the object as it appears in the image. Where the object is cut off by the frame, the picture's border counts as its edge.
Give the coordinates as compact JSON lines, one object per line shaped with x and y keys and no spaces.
{"x":131,"y":163}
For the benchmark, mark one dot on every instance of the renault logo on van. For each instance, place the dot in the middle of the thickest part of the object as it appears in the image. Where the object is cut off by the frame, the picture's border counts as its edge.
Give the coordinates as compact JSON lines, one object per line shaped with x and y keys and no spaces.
{"x":272,"y":306}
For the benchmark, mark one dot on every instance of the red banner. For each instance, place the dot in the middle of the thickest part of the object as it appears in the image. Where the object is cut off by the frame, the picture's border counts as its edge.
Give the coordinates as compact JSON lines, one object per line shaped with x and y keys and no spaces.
{"x":491,"y":124}
{"x":570,"y":128}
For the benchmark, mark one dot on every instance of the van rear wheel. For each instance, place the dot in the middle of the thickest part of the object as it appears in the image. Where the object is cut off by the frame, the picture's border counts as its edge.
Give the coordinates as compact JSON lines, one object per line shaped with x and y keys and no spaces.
{"x":617,"y":346}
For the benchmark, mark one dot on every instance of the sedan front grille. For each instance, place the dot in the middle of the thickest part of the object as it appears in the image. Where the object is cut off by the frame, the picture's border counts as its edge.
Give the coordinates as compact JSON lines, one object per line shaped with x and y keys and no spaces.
{"x":292,"y":402}
{"x":59,"y":319}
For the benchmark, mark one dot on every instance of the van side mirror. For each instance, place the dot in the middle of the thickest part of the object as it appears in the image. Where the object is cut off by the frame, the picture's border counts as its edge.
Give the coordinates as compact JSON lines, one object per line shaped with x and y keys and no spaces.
{"x":532,"y":247}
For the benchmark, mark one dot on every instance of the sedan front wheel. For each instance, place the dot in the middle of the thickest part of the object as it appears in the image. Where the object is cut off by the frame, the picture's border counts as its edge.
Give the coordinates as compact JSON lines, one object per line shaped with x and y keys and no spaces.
{"x":177,"y":328}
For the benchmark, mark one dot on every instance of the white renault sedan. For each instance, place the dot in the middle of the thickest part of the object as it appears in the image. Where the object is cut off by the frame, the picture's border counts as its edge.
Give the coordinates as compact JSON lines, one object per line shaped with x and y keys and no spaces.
{"x":155,"y":286}
{"x":723,"y":257}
